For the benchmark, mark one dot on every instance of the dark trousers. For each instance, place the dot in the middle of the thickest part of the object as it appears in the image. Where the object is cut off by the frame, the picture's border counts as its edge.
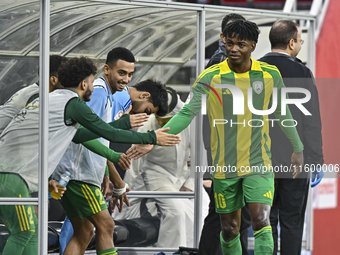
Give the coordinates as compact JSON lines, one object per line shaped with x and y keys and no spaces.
{"x":289,"y":208}
{"x":210,"y":237}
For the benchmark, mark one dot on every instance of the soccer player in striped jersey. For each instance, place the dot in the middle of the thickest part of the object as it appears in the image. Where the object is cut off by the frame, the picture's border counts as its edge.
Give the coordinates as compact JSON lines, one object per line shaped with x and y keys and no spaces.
{"x":240,"y":142}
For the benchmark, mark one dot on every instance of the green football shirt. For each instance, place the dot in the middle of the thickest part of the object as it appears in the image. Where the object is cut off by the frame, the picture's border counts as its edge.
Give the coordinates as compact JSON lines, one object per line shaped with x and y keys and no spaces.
{"x":240,"y":143}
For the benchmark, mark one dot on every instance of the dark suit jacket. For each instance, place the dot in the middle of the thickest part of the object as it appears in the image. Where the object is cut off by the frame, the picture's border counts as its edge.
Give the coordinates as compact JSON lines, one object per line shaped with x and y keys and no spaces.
{"x":296,"y":74}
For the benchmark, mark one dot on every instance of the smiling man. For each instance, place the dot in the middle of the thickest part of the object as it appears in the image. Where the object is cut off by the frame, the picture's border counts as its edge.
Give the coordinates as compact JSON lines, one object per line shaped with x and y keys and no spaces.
{"x":234,"y":145}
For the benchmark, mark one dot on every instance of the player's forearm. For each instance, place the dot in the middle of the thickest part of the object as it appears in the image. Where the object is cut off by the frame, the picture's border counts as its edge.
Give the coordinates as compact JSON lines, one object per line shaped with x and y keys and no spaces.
{"x":97,"y":147}
{"x":115,"y":135}
{"x":179,"y":122}
{"x":122,"y":123}
{"x":107,"y":173}
{"x":84,"y":134}
{"x":287,"y":120}
{"x":114,"y":176}
{"x":94,"y":127}
{"x":289,"y":129}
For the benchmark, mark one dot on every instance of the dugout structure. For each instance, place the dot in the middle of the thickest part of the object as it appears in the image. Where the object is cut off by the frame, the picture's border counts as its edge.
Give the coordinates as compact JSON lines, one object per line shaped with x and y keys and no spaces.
{"x":168,"y":39}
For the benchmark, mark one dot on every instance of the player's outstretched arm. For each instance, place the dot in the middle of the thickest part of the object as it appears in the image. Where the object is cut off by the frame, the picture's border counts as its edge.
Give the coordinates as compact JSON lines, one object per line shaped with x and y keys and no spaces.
{"x":139,"y":150}
{"x":97,"y":147}
{"x":124,"y":162}
{"x":164,"y":139}
{"x":136,"y":120}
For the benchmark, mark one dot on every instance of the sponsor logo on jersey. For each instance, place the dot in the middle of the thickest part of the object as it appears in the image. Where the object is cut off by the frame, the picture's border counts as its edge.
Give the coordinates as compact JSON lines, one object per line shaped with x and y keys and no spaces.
{"x":268,"y":194}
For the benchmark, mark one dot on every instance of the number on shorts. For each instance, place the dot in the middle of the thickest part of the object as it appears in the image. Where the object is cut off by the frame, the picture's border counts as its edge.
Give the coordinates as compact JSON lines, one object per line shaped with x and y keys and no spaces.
{"x":99,"y":194}
{"x":220,"y":201}
{"x":29,"y":212}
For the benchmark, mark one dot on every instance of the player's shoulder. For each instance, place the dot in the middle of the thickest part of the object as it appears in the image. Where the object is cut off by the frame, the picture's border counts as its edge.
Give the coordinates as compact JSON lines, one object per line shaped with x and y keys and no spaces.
{"x":121,"y":97}
{"x":99,"y":83}
{"x":33,"y":88}
{"x":268,"y":68}
{"x":216,"y":66}
{"x":99,"y":88}
{"x":211,"y":71}
{"x":299,"y":63}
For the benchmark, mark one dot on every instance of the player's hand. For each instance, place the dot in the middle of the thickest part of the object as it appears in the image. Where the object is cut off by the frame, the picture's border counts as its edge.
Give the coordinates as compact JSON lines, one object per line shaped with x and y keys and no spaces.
{"x":124,"y":161}
{"x":136,"y":120}
{"x":139,"y":150}
{"x":105,"y":185}
{"x":317,"y":176}
{"x":54,"y":185}
{"x":297,"y":163}
{"x":119,"y":201}
{"x":164,"y":139}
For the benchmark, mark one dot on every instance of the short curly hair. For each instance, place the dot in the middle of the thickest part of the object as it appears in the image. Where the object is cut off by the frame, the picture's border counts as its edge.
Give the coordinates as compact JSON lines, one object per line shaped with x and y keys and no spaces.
{"x":75,"y":70}
{"x":244,"y":30}
{"x":230,"y":17}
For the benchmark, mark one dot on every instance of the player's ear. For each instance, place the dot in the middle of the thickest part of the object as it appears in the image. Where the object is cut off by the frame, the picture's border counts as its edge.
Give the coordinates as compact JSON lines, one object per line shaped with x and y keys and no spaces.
{"x":253,"y":46}
{"x":53,"y":80}
{"x":83,"y":85}
{"x":223,"y":38}
{"x":144,"y":95}
{"x":291,"y":44}
{"x":106,"y":69}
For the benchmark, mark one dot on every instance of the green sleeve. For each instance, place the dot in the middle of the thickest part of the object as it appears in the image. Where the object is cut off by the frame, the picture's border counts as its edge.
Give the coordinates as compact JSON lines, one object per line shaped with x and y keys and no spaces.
{"x":122,"y":123}
{"x":288,"y":128}
{"x":107,"y":173}
{"x":94,"y":127}
{"x":97,"y":147}
{"x":182,"y":119}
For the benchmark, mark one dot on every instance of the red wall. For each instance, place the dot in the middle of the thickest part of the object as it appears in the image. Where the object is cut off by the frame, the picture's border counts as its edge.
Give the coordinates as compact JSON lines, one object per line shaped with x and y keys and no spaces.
{"x":327,"y":221}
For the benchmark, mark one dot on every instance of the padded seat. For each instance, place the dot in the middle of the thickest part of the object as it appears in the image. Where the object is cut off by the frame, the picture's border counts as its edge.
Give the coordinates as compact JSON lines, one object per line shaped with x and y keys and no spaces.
{"x":142,"y":231}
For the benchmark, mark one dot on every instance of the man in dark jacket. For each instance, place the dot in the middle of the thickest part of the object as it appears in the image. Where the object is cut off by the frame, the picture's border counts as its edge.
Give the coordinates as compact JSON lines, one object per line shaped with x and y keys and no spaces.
{"x":290,"y":198}
{"x":210,"y":238}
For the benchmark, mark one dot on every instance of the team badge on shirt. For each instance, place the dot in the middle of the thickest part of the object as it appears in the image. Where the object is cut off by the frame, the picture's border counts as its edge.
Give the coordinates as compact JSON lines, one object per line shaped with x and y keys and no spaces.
{"x":258,"y":86}
{"x":118,"y":115}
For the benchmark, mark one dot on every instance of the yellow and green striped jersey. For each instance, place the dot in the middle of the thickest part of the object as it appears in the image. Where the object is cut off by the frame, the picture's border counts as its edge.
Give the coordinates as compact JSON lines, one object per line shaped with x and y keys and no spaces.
{"x":238,"y":141}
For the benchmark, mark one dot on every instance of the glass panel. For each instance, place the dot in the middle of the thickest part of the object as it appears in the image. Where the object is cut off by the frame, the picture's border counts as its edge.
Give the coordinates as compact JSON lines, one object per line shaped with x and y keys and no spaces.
{"x":21,"y":38}
{"x":93,"y":31}
{"x":16,"y":74}
{"x":15,"y":13}
{"x":18,"y":144}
